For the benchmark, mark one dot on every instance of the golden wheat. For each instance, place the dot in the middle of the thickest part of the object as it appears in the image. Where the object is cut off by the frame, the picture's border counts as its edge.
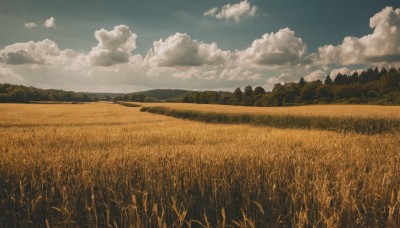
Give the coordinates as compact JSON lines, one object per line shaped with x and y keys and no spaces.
{"x":309,"y":110}
{"x":110,"y":165}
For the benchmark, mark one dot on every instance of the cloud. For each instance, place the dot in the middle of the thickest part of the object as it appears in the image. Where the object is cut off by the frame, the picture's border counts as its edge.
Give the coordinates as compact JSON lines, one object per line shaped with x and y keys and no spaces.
{"x":343,"y":70}
{"x":282,"y":78}
{"x":30,"y":25}
{"x":236,"y":11}
{"x":29,"y":53}
{"x":180,"y":50}
{"x":382,"y":46}
{"x":50,"y":23}
{"x":197,"y":73}
{"x":315,"y":75}
{"x":239,"y":73}
{"x":7,"y":74}
{"x":275,"y":49}
{"x":114,"y":47}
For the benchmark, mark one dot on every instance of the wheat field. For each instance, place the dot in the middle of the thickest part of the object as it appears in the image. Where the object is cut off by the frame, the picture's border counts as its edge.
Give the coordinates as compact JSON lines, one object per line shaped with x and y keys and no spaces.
{"x":106,"y":165}
{"x":358,"y":111}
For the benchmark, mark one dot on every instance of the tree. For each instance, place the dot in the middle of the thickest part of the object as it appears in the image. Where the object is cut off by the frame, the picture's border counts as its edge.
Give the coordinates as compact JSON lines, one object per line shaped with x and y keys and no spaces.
{"x":345,"y":92}
{"x":302,"y":82}
{"x":389,"y":82}
{"x":341,"y":79}
{"x":308,"y":91}
{"x":248,"y":91}
{"x":19,"y":95}
{"x":328,"y":80}
{"x":259,"y":91}
{"x":238,"y":94}
{"x":323,"y":92}
{"x":279,"y":92}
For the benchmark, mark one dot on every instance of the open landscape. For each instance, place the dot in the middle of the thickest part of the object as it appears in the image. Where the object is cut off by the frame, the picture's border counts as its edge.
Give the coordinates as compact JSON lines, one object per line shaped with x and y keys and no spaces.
{"x":211,"y":113}
{"x":104,"y":164}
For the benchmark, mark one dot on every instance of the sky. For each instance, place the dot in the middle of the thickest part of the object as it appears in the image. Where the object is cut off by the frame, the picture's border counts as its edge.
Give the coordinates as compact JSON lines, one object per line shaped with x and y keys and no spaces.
{"x":127,"y":46}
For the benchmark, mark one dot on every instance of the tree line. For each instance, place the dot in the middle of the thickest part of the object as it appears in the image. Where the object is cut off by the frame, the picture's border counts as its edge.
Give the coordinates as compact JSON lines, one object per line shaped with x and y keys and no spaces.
{"x":372,"y":86}
{"x":170,"y":95}
{"x":22,"y":94}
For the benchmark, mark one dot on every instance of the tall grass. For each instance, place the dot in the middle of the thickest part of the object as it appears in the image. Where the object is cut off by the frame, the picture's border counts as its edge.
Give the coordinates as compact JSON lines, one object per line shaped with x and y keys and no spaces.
{"x":108,"y":165}
{"x":127,"y":104}
{"x":365,"y":125}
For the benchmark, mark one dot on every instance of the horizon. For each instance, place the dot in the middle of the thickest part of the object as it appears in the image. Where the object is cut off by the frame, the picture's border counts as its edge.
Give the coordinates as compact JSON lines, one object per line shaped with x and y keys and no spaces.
{"x":130,"y":47}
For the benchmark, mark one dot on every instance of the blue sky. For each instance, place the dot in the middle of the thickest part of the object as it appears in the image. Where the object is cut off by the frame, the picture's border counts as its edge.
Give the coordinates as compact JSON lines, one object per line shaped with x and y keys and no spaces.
{"x":177,"y":44}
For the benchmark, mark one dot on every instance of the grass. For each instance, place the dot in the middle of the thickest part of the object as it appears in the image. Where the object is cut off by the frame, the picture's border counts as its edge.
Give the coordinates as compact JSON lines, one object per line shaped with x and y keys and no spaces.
{"x":109,"y":165}
{"x":127,"y":104}
{"x":355,"y":111}
{"x":364,"y":125}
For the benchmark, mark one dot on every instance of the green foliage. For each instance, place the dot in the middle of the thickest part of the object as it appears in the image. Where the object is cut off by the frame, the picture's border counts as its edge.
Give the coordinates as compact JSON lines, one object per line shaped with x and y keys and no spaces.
{"x":308,"y":92}
{"x":328,"y":80}
{"x":127,"y":104}
{"x":157,"y":94}
{"x":150,"y":99}
{"x":19,"y":93}
{"x":248,"y":91}
{"x":368,"y":87}
{"x":259,"y":91}
{"x":238,"y":94}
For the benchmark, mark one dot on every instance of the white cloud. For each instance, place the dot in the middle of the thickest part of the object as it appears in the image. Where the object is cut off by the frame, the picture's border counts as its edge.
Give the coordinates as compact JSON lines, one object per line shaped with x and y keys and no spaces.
{"x":236,"y":11}
{"x":197,"y":73}
{"x":343,"y":70}
{"x":7,"y":74}
{"x":315,"y":75}
{"x":239,"y":73}
{"x":275,"y":49}
{"x":281,"y":78}
{"x":29,"y":53}
{"x":30,"y":25}
{"x":211,"y":12}
{"x":382,"y":46}
{"x":181,"y":50}
{"x":50,"y":23}
{"x":114,"y":46}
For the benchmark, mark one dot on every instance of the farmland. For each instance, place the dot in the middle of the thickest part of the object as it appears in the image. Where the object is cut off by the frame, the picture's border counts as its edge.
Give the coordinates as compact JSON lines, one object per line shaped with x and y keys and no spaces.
{"x":104,"y":164}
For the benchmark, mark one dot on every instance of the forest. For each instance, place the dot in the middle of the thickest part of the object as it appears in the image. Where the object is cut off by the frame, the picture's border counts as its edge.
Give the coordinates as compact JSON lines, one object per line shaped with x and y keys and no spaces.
{"x":22,"y":94}
{"x":372,"y":86}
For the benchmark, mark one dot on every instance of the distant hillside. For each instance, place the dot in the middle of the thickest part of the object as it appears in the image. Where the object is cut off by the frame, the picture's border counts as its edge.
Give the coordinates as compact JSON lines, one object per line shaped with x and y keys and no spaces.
{"x":154,"y":94}
{"x":20,"y":93}
{"x":372,"y":86}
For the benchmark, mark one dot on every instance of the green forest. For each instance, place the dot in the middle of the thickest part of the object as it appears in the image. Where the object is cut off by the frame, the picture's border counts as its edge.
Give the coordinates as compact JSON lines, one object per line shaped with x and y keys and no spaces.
{"x":24,"y":94}
{"x":373,"y":86}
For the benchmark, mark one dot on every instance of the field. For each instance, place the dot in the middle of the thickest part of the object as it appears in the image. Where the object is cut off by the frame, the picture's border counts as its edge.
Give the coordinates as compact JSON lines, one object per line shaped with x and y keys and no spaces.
{"x":359,"y":111}
{"x":103,"y":164}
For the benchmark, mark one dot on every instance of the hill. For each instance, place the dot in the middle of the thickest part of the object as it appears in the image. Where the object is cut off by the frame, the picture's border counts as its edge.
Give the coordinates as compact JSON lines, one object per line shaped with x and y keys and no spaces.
{"x":154,"y":94}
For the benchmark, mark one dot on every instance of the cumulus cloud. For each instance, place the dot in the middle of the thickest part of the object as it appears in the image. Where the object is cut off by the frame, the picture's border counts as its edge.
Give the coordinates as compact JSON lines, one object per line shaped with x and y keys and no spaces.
{"x":204,"y":74}
{"x":30,"y":25}
{"x":114,"y":46}
{"x":239,"y":73}
{"x":282,"y":78}
{"x":29,"y":53}
{"x":382,"y":46}
{"x":50,"y":23}
{"x":181,"y":50}
{"x":7,"y":74}
{"x":343,"y":70}
{"x":275,"y":49}
{"x":315,"y":75}
{"x":236,"y":11}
